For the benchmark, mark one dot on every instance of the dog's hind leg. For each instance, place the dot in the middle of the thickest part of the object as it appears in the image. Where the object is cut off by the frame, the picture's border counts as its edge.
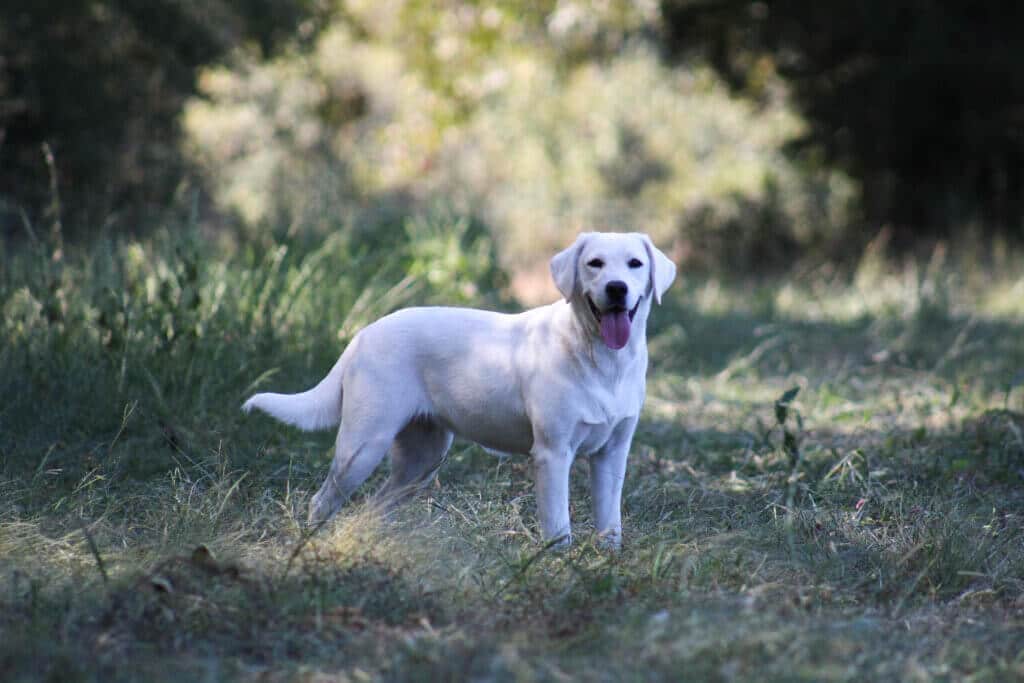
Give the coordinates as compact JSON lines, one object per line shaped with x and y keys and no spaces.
{"x":366,"y":433}
{"x":416,"y":454}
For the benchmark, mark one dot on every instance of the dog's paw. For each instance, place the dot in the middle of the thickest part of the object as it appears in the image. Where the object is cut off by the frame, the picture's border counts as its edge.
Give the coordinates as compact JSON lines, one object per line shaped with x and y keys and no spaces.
{"x":322,"y":507}
{"x":610,"y":540}
{"x":559,"y":543}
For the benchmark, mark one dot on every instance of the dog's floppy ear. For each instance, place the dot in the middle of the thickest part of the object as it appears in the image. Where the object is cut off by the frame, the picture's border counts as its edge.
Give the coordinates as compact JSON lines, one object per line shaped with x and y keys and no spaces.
{"x":663,"y":271}
{"x":564,"y":265}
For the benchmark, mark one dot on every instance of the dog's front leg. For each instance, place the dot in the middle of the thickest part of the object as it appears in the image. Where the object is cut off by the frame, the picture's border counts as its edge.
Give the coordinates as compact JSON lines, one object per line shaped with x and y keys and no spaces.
{"x":607,"y":473}
{"x":552,"y":491}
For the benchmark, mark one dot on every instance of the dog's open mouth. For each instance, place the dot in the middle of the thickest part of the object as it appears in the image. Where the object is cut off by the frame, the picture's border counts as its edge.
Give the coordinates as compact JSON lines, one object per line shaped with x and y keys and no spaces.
{"x":614,"y":323}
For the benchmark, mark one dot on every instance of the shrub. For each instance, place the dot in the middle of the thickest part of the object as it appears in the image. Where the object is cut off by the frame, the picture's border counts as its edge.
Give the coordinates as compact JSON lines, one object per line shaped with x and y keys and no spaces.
{"x":537,"y":145}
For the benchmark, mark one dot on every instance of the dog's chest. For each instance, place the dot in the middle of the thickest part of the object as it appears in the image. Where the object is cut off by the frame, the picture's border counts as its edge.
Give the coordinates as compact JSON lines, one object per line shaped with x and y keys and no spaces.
{"x":590,"y":438}
{"x":605,"y":410}
{"x":615,"y":394}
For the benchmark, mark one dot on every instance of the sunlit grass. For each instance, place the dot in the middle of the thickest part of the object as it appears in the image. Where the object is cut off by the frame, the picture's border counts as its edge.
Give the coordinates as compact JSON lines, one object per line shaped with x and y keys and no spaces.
{"x":148,"y":530}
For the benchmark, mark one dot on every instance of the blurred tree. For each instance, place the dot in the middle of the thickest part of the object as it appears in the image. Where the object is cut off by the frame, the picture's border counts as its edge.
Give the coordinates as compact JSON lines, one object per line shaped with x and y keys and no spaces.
{"x":102,"y":84}
{"x":922,"y":102}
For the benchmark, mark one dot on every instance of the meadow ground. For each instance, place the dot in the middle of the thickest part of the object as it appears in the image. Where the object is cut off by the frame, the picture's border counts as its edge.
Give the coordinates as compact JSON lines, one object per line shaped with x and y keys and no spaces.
{"x":869,"y":526}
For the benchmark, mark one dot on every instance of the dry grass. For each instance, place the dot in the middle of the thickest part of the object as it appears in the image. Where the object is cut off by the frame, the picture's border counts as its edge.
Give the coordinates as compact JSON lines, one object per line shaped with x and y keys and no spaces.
{"x":869,"y":528}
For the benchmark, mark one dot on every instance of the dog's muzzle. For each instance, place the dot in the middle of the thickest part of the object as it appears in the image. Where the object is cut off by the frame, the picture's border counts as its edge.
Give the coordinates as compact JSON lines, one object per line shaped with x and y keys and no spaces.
{"x":614,"y":323}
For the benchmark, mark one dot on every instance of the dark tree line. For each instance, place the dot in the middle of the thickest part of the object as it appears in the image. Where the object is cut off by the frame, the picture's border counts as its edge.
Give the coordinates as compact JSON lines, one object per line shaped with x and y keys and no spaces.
{"x":923,"y":102}
{"x":102,"y":84}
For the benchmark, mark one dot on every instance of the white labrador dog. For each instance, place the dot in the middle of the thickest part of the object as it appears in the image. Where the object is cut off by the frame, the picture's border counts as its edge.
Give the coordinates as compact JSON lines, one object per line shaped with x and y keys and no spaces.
{"x":551,"y":382}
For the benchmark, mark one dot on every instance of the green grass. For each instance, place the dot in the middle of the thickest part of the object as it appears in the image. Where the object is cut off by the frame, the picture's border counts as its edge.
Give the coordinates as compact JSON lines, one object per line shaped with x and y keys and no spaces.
{"x":869,"y":528}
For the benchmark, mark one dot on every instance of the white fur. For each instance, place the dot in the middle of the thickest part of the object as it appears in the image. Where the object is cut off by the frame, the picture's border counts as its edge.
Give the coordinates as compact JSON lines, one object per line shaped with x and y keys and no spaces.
{"x":541,"y":383}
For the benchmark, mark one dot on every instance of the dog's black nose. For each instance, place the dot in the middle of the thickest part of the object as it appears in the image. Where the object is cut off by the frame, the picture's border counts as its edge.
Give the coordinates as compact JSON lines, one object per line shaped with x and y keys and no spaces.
{"x":616,"y":291}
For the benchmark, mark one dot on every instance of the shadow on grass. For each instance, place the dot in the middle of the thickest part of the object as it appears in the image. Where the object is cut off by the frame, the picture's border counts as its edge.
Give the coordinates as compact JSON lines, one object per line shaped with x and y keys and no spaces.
{"x":191,"y":611}
{"x":885,"y":517}
{"x":687,"y":341}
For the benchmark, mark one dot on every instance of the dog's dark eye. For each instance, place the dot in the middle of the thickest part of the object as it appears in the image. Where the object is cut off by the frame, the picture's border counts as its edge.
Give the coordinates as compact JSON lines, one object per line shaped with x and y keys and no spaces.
{"x":635,"y":263}
{"x":595,"y":263}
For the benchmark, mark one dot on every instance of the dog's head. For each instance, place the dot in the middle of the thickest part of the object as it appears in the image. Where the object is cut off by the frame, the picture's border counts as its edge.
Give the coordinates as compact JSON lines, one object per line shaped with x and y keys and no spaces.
{"x":612,"y":277}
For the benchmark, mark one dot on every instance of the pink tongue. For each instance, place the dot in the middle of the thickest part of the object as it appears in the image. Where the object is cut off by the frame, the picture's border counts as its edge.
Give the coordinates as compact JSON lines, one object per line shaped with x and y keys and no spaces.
{"x":615,"y":329}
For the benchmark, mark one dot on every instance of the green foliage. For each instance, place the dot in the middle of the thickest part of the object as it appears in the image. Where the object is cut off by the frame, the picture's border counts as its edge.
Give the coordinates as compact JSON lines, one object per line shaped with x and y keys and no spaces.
{"x":745,"y":134}
{"x":536,"y":143}
{"x":102,"y":83}
{"x":865,"y":526}
{"x":149,"y":530}
{"x":919,"y":102}
{"x":152,"y":324}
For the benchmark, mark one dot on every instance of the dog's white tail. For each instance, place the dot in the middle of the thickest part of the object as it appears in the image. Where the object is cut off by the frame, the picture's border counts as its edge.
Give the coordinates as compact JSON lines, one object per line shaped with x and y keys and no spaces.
{"x":318,"y":408}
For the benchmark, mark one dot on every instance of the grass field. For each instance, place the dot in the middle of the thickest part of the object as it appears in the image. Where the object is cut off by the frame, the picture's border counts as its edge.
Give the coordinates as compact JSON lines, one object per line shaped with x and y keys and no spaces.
{"x":869,"y":526}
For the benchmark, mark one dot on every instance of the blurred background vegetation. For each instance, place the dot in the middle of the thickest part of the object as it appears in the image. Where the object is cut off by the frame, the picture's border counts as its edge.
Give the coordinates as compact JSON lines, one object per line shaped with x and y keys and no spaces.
{"x":200,"y":199}
{"x":740,"y":134}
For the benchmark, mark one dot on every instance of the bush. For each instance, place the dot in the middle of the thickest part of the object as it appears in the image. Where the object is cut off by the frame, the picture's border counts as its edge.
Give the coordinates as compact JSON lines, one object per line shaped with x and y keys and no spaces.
{"x":535,"y":143}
